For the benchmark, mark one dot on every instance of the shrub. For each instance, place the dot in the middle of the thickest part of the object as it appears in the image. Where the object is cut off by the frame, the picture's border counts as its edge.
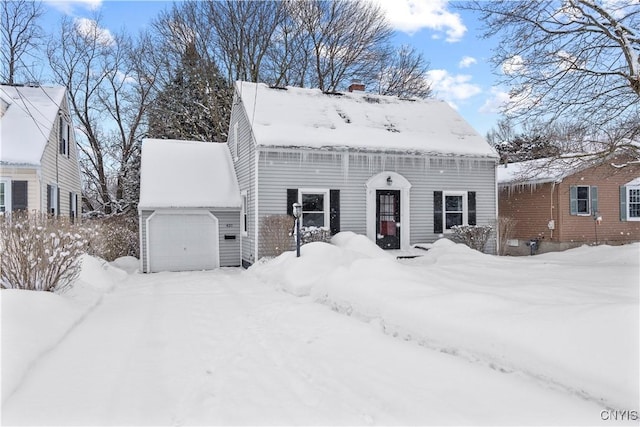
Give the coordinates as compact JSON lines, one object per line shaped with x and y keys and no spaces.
{"x":314,"y":234}
{"x":474,"y":236}
{"x":505,"y":227}
{"x":115,"y":236}
{"x":40,"y":253}
{"x":276,"y":234}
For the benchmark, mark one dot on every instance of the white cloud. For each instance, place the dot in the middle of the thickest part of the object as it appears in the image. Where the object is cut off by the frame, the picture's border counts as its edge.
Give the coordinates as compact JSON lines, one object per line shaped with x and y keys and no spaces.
{"x":452,"y":88}
{"x":68,"y":6}
{"x":467,"y":61}
{"x":410,"y":16}
{"x":496,"y":102}
{"x":513,"y":65}
{"x":88,"y":28}
{"x":507,"y":102}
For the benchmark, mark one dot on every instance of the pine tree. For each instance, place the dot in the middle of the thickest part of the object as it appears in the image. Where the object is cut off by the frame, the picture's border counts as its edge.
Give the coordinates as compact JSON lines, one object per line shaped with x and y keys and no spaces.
{"x":195,"y":105}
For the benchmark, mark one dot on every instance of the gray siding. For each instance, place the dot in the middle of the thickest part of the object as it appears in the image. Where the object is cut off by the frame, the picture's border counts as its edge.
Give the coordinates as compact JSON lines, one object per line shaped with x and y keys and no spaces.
{"x":244,"y":166}
{"x":228,"y":224}
{"x":349,"y":172}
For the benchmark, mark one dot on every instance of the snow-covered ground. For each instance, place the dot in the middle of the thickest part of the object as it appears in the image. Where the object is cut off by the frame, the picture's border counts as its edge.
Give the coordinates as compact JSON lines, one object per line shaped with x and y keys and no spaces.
{"x":345,"y":334}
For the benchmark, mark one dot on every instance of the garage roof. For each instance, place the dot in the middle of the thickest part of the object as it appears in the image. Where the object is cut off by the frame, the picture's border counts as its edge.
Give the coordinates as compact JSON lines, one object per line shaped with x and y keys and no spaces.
{"x":187,"y":174}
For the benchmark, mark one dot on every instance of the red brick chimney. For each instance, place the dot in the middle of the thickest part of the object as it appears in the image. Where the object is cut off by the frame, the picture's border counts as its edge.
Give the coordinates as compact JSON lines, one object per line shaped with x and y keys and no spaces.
{"x":356,"y":85}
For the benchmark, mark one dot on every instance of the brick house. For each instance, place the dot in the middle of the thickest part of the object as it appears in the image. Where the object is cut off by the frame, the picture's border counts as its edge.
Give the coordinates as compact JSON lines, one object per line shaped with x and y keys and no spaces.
{"x":568,"y":203}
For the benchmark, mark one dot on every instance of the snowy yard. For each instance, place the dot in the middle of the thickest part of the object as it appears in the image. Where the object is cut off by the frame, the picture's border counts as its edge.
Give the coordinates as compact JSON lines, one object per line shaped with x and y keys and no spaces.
{"x":346,"y":334}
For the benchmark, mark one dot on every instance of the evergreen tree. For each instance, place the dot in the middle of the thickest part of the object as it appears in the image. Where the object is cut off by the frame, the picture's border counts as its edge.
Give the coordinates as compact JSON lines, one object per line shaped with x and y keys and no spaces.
{"x":195,"y":104}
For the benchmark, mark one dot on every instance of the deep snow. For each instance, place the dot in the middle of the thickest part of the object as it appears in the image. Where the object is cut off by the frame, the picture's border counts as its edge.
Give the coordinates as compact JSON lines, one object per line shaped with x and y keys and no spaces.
{"x":452,"y":337}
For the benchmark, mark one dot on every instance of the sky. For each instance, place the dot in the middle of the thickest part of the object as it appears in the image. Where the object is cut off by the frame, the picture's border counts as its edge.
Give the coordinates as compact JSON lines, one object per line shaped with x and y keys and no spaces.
{"x":460,"y":71}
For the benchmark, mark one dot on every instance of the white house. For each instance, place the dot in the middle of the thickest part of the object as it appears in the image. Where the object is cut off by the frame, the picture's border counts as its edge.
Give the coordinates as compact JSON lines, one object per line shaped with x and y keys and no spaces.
{"x":189,"y":206}
{"x":401,"y":171}
{"x":39,"y":169}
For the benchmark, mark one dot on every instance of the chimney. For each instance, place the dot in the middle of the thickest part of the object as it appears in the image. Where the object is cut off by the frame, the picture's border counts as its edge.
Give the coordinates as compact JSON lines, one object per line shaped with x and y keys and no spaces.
{"x":356,"y":85}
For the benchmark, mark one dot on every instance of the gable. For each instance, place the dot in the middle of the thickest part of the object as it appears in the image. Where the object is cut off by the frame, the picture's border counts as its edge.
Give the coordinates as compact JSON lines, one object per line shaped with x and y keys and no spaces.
{"x":187,"y":174}
{"x":297,"y":117}
{"x":28,"y":117}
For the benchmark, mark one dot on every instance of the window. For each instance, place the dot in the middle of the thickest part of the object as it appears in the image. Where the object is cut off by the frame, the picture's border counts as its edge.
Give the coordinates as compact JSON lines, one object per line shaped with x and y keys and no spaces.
{"x":315,"y":207}
{"x":583,"y":200}
{"x":64,"y":137}
{"x":52,"y":200}
{"x":634,"y":202}
{"x":243,"y":214}
{"x":630,"y":201}
{"x":73,"y":206}
{"x":5,"y":195}
{"x":454,"y":212}
{"x":453,"y":208}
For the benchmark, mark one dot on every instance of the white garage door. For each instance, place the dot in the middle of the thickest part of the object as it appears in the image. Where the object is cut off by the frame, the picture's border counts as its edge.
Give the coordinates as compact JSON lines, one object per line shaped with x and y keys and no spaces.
{"x":182,"y":241}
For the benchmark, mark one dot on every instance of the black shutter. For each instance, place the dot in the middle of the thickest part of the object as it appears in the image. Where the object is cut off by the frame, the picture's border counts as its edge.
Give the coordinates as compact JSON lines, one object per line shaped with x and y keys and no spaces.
{"x":437,"y":211}
{"x":58,"y":202}
{"x":49,"y":200}
{"x":334,"y":211}
{"x":292,"y":197}
{"x":471,"y":207}
{"x":19,"y":196}
{"x":71,"y":206}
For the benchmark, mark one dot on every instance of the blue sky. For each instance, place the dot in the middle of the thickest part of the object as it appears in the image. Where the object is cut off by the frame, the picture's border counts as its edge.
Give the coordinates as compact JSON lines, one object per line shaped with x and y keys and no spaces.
{"x":459,"y":60}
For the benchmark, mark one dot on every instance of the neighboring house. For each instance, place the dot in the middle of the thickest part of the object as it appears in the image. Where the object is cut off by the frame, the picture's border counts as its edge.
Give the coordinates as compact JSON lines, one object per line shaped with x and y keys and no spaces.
{"x":399,"y":171}
{"x":39,"y":169}
{"x":568,"y":203}
{"x":189,"y":206}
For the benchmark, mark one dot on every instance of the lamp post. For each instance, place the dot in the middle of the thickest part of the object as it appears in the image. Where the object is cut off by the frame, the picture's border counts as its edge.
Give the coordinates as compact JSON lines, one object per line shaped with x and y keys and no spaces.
{"x":297,"y":213}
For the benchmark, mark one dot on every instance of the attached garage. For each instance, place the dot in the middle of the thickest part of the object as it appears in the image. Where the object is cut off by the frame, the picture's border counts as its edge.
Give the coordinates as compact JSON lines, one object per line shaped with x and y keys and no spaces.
{"x":189,"y":220}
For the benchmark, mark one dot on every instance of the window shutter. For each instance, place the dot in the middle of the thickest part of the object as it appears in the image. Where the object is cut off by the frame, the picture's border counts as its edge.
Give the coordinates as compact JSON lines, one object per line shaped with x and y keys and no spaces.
{"x":594,"y":200}
{"x":573,"y":200}
{"x":49,"y":200}
{"x":58,"y":202}
{"x":19,"y":196}
{"x":623,"y":203}
{"x":471,"y":207}
{"x":71,"y":206}
{"x":437,"y":211}
{"x":292,"y":197}
{"x":334,"y":211}
{"x":61,"y":139}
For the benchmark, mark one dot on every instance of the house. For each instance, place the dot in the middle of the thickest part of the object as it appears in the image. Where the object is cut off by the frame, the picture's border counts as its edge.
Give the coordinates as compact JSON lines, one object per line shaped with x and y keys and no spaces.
{"x":400,"y":171}
{"x":564,"y":203}
{"x":39,"y":169}
{"x":189,"y":207}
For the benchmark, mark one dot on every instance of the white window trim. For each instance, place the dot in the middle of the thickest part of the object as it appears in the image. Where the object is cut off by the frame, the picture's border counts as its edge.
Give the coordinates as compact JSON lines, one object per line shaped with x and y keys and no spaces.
{"x":627,"y":189}
{"x":588,"y":213}
{"x":7,"y":193}
{"x":243,"y":214}
{"x":465,"y":209}
{"x":326,"y":205}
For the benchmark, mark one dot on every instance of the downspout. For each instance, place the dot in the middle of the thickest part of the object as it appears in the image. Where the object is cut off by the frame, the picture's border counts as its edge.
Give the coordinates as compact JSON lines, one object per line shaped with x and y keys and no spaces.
{"x":553,"y":187}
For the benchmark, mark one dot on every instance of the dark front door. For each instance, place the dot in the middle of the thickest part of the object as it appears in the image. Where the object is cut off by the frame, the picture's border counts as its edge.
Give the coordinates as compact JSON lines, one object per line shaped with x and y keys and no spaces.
{"x":388,"y":219}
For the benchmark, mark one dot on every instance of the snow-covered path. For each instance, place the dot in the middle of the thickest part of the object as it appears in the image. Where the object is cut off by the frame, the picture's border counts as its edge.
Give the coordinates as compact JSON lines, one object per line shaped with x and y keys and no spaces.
{"x":223,"y":348}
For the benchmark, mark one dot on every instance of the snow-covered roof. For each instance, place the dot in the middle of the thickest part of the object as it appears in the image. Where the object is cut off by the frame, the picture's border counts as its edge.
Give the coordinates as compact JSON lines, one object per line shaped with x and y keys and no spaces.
{"x":297,"y":117}
{"x":189,"y":174}
{"x":539,"y":171}
{"x":27,"y":118}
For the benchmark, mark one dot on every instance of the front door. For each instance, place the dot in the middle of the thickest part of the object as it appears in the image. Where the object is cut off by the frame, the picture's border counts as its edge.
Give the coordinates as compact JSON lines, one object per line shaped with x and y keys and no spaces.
{"x":388,"y":219}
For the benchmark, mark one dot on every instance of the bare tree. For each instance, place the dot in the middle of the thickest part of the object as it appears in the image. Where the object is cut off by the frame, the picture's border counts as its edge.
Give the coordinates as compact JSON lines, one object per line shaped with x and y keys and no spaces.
{"x":244,"y":33}
{"x":570,"y":59}
{"x":404,"y":74}
{"x":349,"y":39}
{"x":20,"y":35}
{"x":109,"y":84}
